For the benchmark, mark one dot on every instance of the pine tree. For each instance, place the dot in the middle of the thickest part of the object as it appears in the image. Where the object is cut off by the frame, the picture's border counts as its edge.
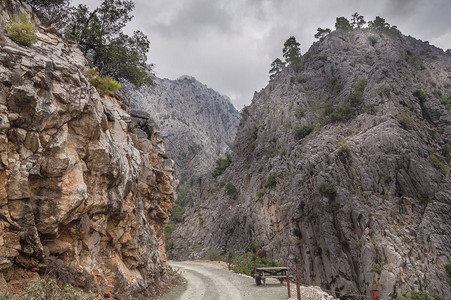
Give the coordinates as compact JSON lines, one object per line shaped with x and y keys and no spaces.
{"x":322,"y":33}
{"x":343,"y":24}
{"x":357,"y":20}
{"x":292,"y":53}
{"x":276,"y":68}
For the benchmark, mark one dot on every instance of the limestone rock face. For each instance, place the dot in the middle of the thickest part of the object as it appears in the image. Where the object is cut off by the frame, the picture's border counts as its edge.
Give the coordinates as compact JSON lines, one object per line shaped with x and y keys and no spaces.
{"x":84,"y":197}
{"x":387,"y":225}
{"x":197,"y":123}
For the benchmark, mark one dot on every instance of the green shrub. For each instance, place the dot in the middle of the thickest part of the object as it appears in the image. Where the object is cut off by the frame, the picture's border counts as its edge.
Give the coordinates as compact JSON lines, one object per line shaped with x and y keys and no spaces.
{"x":437,"y":93}
{"x":244,"y":263}
{"x":211,"y":254}
{"x":420,"y":295}
{"x":328,"y":190}
{"x":447,"y":85}
{"x":384,"y":90}
{"x":253,"y":246}
{"x":438,"y":164}
{"x":405,"y":121}
{"x":104,"y":85}
{"x":221,"y":165}
{"x":201,"y":221}
{"x":348,"y":109}
{"x":6,"y":296}
{"x":372,"y":39}
{"x":448,"y":269}
{"x":49,"y":290}
{"x":420,"y":95}
{"x":168,"y":230}
{"x":231,"y":190}
{"x":377,"y":268}
{"x":271,"y":181}
{"x":260,"y":194}
{"x":344,"y":150}
{"x":299,"y":111}
{"x":21,"y":30}
{"x":446,"y":101}
{"x":254,"y":133}
{"x":302,"y":132}
{"x":446,"y":151}
{"x":416,"y":61}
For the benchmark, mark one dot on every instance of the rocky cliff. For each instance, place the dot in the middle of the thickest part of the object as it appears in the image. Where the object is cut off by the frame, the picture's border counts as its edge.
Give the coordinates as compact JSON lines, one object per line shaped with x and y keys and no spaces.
{"x":341,"y":168}
{"x":83,"y":197}
{"x":197,"y":123}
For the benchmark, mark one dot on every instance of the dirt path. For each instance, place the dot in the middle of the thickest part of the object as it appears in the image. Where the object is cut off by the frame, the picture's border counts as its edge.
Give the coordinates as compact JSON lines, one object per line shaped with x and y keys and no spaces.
{"x":209,"y":280}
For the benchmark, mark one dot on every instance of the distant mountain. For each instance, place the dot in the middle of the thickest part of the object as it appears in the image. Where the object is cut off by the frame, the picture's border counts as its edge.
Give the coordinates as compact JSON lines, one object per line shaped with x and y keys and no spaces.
{"x":197,"y":123}
{"x":342,"y":168}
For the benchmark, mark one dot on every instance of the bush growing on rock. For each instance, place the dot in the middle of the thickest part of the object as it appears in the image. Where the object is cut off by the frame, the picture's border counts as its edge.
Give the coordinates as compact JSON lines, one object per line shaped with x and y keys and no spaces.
{"x":328,"y":190}
{"x":104,"y":85}
{"x":221,"y":165}
{"x":420,"y":95}
{"x":244,"y":263}
{"x":271,"y":181}
{"x":49,"y":289}
{"x":21,"y":30}
{"x":415,"y":295}
{"x":302,"y":132}
{"x":441,"y":167}
{"x":231,"y":190}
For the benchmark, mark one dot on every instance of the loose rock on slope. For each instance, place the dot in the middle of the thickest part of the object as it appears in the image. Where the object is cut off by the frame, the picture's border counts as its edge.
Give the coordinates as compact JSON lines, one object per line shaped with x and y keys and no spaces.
{"x":386,"y":155}
{"x":83,"y":197}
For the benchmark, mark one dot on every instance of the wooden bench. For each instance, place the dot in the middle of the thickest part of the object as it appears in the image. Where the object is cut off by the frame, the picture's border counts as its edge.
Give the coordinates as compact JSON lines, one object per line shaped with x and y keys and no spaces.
{"x":261,"y":274}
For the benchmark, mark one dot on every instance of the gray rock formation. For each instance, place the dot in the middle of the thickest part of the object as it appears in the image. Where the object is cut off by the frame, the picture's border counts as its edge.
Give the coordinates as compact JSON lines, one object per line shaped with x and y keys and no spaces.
{"x":197,"y":123}
{"x":362,"y":202}
{"x":85,"y":192}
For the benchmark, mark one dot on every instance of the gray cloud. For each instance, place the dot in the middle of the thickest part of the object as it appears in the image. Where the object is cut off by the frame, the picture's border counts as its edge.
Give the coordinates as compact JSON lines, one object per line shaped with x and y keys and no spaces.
{"x":230,"y":44}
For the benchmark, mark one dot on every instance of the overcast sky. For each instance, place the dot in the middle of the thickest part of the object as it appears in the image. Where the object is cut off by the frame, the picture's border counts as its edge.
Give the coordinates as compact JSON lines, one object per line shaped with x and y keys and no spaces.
{"x":229,"y":44}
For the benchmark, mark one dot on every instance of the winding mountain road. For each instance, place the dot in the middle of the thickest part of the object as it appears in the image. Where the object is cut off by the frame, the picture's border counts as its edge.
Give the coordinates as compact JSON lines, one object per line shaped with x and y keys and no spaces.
{"x":209,"y":280}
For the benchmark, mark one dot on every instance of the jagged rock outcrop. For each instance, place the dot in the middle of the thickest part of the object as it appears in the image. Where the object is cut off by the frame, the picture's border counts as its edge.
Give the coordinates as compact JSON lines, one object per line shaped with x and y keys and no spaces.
{"x":383,"y":148}
{"x":84,"y":195}
{"x":197,"y":123}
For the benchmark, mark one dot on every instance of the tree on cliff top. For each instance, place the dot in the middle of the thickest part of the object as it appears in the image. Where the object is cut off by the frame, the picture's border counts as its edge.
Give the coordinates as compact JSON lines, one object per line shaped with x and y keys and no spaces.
{"x":292,"y":52}
{"x":343,"y":24}
{"x":99,"y":34}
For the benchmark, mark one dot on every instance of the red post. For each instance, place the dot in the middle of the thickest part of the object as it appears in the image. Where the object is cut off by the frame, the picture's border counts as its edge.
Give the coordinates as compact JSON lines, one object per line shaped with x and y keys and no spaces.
{"x":298,"y":287}
{"x":288,"y":287}
{"x":375,"y":295}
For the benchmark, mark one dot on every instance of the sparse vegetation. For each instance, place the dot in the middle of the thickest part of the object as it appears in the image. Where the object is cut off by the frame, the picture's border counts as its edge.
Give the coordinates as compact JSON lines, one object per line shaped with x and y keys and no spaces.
{"x":260,"y":194}
{"x":344,"y":149}
{"x":300,"y":111}
{"x":420,"y":95}
{"x":384,"y":90}
{"x":201,"y":221}
{"x":231,"y":190}
{"x":254,"y":133}
{"x":377,"y":268}
{"x":322,"y":33}
{"x":271,"y":181}
{"x":328,"y":190}
{"x":405,"y":121}
{"x":441,"y":167}
{"x":104,"y":85}
{"x":276,"y":68}
{"x":372,"y":39}
{"x":21,"y":30}
{"x":446,"y":101}
{"x":211,"y":254}
{"x":415,"y":295}
{"x":222,"y":164}
{"x":446,"y":151}
{"x":416,"y":61}
{"x":244,"y":263}
{"x":50,"y":290}
{"x":347,"y":110}
{"x":302,"y":132}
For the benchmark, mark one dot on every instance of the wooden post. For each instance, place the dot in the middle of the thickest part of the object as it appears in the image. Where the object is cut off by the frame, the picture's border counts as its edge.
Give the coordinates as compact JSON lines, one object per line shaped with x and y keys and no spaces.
{"x":219,"y":258}
{"x":192,"y":256}
{"x":298,"y":287}
{"x":288,"y":287}
{"x":255,"y":268}
{"x":228,"y":258}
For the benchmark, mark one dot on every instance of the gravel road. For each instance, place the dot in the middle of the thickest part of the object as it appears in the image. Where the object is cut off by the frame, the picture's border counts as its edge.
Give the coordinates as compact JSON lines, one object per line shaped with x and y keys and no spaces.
{"x":211,"y":280}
